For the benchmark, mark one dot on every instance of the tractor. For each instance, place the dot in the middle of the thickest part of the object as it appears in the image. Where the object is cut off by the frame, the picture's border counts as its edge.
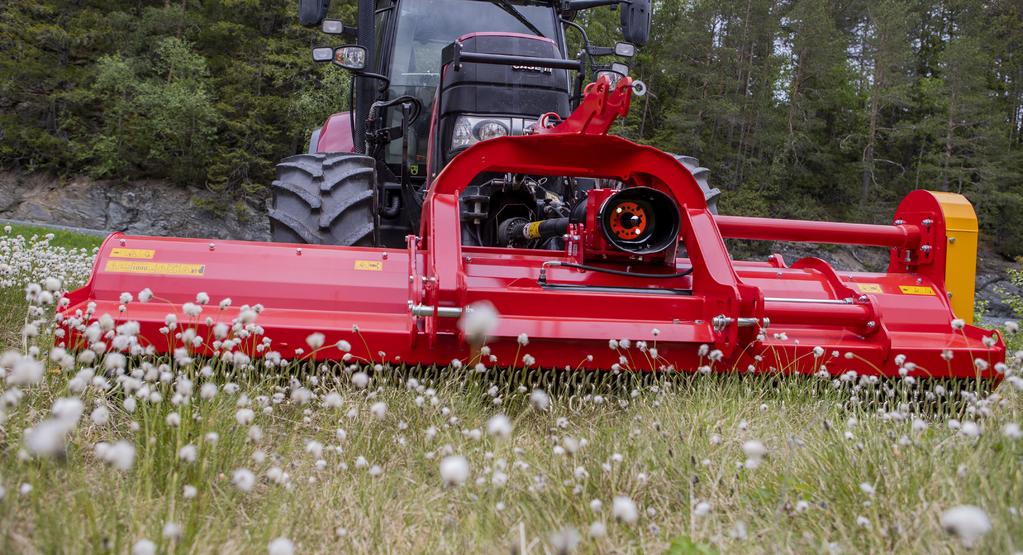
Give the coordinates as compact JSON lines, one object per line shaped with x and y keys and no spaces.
{"x":367,"y":170}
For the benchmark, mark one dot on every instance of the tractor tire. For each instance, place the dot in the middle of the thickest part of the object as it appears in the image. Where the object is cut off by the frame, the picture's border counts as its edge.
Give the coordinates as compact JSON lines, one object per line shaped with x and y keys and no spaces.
{"x":325,"y":199}
{"x":702,"y":176}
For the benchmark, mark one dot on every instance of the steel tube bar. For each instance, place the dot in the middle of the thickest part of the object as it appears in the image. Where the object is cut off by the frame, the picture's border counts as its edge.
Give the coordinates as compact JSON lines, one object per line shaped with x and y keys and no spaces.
{"x":775,"y":229}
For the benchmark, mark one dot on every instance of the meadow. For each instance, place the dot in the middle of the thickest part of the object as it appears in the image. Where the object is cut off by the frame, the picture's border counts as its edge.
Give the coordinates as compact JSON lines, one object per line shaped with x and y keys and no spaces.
{"x":106,"y":453}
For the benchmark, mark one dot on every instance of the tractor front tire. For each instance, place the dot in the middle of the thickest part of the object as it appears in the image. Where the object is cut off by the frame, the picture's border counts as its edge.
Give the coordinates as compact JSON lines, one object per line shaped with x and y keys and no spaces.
{"x":702,"y":176}
{"x":325,"y":199}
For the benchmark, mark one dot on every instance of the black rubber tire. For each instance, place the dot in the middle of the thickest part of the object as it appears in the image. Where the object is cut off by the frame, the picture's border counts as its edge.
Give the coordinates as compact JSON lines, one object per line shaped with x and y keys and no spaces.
{"x":702,"y":176}
{"x":325,"y":199}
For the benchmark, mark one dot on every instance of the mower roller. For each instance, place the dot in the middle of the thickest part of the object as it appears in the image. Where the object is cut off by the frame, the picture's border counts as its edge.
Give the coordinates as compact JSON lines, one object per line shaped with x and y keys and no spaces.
{"x":642,"y":279}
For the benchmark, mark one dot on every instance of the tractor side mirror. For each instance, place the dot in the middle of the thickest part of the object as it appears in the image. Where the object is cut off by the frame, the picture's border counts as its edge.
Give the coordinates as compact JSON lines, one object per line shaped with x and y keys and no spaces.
{"x":312,"y":12}
{"x":635,"y":21}
{"x":614,"y":72}
{"x":323,"y":54}
{"x":625,"y":49}
{"x":352,"y":57}
{"x":335,"y":27}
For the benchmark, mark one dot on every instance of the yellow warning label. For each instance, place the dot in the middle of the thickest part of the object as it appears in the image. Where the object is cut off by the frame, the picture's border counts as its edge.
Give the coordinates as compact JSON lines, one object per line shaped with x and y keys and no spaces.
{"x":370,"y":265}
{"x":165,"y":268}
{"x":916,"y":290}
{"x":869,"y":287}
{"x":132,"y":253}
{"x":532,"y":230}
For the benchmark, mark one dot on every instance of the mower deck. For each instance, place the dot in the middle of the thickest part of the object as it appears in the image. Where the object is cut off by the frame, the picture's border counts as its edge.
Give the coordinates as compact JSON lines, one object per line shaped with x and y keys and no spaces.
{"x":682,"y":305}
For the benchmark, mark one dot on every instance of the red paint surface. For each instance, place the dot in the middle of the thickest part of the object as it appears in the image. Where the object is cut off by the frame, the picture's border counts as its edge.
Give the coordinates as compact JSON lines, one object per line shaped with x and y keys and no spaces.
{"x":336,"y":134}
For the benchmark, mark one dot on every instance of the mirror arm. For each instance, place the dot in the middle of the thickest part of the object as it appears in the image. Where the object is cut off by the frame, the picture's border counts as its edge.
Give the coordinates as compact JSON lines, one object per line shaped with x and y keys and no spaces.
{"x":384,"y":81}
{"x":573,"y":5}
{"x":585,"y":61}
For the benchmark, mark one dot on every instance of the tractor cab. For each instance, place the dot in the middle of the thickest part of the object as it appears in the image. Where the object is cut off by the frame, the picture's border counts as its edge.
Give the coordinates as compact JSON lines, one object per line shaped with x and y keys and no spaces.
{"x":412,"y":61}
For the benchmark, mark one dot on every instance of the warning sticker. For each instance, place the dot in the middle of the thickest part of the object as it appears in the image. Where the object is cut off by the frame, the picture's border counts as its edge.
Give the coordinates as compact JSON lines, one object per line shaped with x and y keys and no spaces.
{"x":916,"y":289}
{"x":869,"y":287}
{"x":165,"y":268}
{"x":369,"y":265}
{"x":133,"y":253}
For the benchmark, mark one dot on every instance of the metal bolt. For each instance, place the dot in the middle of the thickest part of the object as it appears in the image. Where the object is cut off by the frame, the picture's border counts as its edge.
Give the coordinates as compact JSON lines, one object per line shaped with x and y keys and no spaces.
{"x":298,"y":251}
{"x":927,"y":222}
{"x":899,"y":221}
{"x":212,"y":246}
{"x":925,"y":248}
{"x":871,"y":324}
{"x":951,"y":239}
{"x":383,"y":255}
{"x":919,"y":281}
{"x":123,"y":242}
{"x":863,"y":298}
{"x":720,"y":322}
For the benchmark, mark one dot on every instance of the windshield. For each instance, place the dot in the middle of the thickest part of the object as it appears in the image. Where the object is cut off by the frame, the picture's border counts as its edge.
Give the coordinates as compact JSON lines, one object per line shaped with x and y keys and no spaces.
{"x":425,"y":27}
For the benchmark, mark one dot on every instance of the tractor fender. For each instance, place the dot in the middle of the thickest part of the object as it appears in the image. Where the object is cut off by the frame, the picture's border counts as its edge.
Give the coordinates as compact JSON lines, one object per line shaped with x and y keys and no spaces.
{"x":335,"y":135}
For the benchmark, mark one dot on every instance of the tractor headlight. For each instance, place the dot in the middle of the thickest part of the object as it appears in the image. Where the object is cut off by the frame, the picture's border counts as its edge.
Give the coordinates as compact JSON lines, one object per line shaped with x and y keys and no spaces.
{"x":470,"y":130}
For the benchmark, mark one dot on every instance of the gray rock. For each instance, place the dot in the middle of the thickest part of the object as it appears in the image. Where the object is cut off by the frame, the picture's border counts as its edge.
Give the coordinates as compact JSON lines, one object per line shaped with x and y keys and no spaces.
{"x":143,"y":207}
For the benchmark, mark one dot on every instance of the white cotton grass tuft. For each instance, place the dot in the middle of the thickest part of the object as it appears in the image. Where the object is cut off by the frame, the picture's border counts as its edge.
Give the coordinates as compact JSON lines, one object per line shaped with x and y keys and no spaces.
{"x":244,"y":479}
{"x":143,"y":547}
{"x":172,"y":530}
{"x":968,"y":523}
{"x":1012,"y":431}
{"x":281,"y":546}
{"x":539,"y":399}
{"x":315,"y":340}
{"x":755,"y":452}
{"x":478,"y":322}
{"x":454,"y":470}
{"x":702,"y":509}
{"x":565,"y":541}
{"x":360,"y":380}
{"x":245,"y":416}
{"x":46,"y":439}
{"x":624,"y":509}
{"x":500,"y":426}
{"x":120,"y":455}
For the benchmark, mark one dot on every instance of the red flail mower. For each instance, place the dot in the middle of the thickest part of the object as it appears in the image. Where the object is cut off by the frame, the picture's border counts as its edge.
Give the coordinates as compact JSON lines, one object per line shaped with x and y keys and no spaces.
{"x":644,"y":280}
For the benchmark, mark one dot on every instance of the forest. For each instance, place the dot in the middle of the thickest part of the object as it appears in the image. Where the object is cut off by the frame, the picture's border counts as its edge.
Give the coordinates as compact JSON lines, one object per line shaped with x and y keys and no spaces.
{"x":801,"y":108}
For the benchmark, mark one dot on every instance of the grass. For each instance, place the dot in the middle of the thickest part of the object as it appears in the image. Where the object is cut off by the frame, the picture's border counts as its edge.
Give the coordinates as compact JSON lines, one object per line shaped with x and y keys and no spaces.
{"x":667,"y":443}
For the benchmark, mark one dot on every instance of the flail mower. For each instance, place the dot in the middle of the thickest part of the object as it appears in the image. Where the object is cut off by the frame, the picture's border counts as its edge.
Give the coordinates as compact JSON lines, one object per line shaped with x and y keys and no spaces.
{"x":595,"y":252}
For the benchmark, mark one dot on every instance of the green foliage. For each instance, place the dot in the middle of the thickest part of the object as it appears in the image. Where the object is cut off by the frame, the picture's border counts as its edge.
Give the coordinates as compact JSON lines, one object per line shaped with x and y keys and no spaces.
{"x":204,"y":94}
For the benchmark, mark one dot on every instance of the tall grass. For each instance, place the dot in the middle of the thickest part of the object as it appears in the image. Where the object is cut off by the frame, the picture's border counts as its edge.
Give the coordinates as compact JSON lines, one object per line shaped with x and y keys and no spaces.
{"x":850,"y":466}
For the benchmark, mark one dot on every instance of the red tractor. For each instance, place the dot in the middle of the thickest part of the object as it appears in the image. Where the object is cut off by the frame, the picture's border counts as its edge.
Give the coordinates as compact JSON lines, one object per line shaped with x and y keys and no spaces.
{"x":367,"y":170}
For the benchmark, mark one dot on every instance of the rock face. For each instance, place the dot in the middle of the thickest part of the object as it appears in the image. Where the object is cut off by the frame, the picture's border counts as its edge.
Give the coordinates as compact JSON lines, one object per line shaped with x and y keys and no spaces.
{"x":139,"y":207}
